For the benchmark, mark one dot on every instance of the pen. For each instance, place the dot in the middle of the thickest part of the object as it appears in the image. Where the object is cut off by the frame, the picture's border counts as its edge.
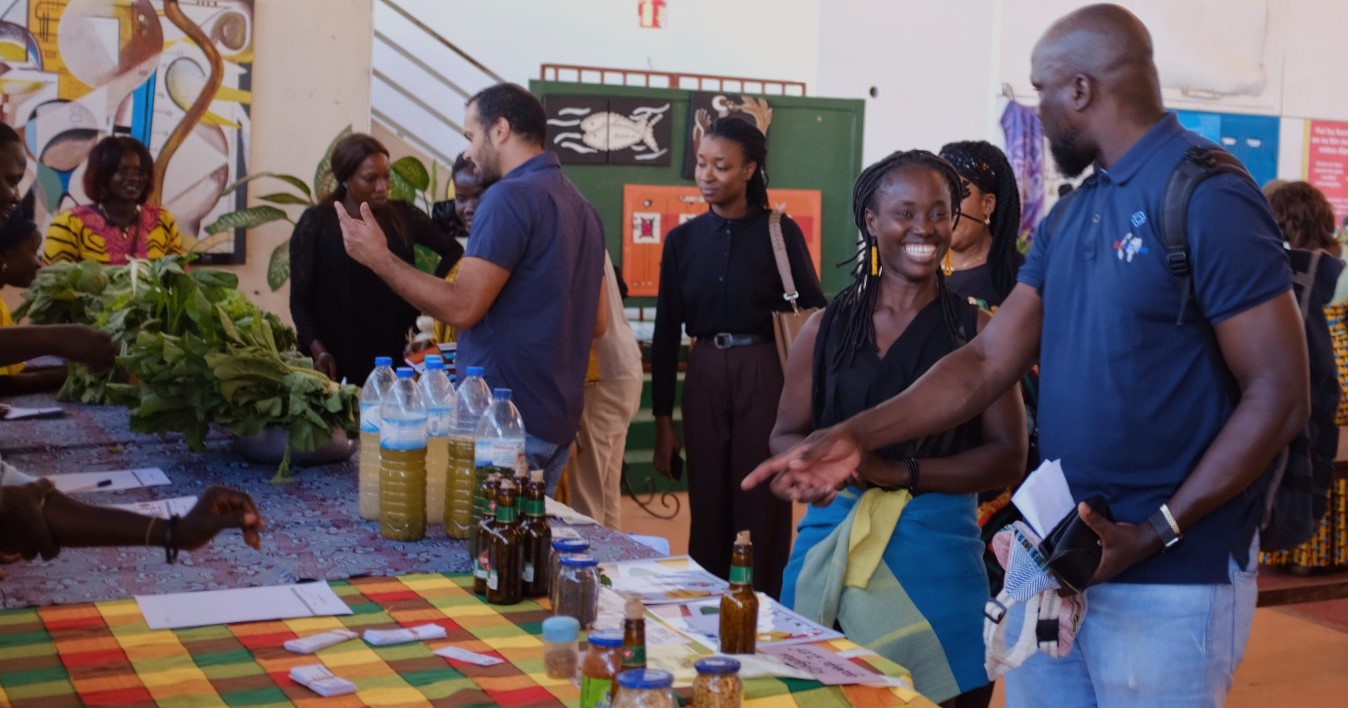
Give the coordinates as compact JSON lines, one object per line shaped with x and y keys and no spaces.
{"x":91,"y":487}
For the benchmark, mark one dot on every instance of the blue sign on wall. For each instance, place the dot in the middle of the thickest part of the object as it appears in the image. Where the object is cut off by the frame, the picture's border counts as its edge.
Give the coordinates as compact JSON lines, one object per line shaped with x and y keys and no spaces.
{"x":1252,"y":139}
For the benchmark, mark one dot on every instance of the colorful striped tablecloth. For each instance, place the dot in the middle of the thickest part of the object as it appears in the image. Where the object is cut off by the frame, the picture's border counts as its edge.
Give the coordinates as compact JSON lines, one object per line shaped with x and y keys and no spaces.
{"x":103,"y":653}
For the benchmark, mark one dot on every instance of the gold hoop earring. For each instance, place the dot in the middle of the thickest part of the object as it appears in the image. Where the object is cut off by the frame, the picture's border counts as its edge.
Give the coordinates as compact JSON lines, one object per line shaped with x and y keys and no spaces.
{"x":948,"y":267}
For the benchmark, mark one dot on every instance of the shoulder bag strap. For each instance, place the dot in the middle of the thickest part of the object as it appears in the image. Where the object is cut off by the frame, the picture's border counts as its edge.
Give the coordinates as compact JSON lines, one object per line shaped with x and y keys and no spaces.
{"x":789,"y":292}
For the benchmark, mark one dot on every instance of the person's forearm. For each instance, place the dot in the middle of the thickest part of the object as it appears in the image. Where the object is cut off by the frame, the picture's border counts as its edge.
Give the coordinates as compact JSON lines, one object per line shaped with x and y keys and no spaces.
{"x":988,"y":466}
{"x":781,"y":442}
{"x":74,"y":524}
{"x":32,"y":381}
{"x":24,"y":342}
{"x":433,"y":296}
{"x":1267,"y":417}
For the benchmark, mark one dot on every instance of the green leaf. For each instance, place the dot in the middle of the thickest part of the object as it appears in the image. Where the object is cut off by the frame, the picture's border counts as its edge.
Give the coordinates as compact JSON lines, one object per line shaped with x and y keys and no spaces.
{"x":249,"y":218}
{"x":278,"y":268}
{"x":411,"y":169}
{"x":292,"y":180}
{"x":324,"y":181}
{"x":285,"y":198}
{"x":401,"y":191}
{"x":212,"y":278}
{"x":426,"y":259}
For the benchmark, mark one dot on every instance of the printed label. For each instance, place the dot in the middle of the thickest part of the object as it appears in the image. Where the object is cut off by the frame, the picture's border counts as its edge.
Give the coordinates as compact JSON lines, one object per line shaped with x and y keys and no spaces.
{"x":634,"y":656}
{"x":505,"y":514}
{"x":437,"y":422}
{"x":534,"y":507}
{"x":492,"y":580}
{"x":594,"y":692}
{"x":497,"y":453}
{"x":741,"y":575}
{"x":528,"y":572}
{"x":403,"y":433}
{"x":480,"y":566}
{"x":369,"y":417}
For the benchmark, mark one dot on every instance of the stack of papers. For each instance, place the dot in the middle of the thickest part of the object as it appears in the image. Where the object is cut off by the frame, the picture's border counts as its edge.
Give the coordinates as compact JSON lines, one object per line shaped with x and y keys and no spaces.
{"x":198,"y":609}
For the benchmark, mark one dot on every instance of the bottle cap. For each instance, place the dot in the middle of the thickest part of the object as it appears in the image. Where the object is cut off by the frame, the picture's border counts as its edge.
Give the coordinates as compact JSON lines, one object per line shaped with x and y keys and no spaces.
{"x":383,"y":361}
{"x":578,"y":560}
{"x":535,"y":475}
{"x":406,"y":372}
{"x":570,"y":545}
{"x":566,"y":629}
{"x":476,"y":371}
{"x":434,"y":361}
{"x":607,"y":638}
{"x":717,"y":665}
{"x":501,"y":393}
{"x":645,"y":678}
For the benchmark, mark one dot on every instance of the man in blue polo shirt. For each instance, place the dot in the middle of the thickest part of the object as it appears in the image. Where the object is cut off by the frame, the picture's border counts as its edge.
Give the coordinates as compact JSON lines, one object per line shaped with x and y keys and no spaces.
{"x":1136,"y":407}
{"x":526,"y":299}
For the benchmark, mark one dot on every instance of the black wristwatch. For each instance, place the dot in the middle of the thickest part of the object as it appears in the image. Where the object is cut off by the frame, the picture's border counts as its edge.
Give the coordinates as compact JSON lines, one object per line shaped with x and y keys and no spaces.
{"x":1164,"y":524}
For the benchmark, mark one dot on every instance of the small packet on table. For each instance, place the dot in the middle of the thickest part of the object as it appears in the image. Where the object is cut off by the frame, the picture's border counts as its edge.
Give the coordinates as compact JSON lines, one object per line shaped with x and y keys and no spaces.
{"x":385,"y":637}
{"x":471,"y":657}
{"x":322,"y":640}
{"x":317,"y":678}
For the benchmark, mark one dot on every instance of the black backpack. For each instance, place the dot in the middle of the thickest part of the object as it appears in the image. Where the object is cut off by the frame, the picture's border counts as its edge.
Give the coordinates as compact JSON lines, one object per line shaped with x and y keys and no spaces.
{"x":1299,"y":478}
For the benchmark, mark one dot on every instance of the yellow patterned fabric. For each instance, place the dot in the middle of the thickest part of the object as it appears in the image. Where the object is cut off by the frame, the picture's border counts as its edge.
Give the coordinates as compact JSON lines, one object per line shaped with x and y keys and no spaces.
{"x":7,"y":320}
{"x":443,"y":332}
{"x":1337,"y":317}
{"x":82,"y":234}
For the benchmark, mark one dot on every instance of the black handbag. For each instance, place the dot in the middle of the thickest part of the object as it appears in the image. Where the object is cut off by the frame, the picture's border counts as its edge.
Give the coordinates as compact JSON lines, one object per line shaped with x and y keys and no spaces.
{"x":1072,"y":548}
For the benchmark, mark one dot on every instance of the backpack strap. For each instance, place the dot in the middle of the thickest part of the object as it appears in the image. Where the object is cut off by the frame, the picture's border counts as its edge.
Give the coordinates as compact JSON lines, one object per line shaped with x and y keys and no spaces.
{"x":1198,"y":164}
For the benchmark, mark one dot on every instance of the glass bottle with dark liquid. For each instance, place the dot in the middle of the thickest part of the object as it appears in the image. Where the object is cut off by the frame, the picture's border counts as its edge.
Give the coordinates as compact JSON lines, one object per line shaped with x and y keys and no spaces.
{"x":739,"y":606}
{"x":505,"y":550}
{"x":477,"y":541}
{"x":537,"y":537}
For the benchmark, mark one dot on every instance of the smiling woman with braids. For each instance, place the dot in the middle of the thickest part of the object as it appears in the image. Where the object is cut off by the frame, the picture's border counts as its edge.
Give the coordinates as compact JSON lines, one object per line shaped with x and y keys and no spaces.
{"x":982,"y":261}
{"x":914,"y":587}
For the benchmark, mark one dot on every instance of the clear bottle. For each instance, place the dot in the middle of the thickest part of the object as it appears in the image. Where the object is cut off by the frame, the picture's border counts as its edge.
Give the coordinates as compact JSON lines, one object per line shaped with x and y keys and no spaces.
{"x":498,"y":441}
{"x":480,"y":531}
{"x":718,"y":683}
{"x":440,"y":399}
{"x":402,"y":459}
{"x":470,"y":401}
{"x":578,"y":589}
{"x":634,"y":634}
{"x":739,"y":605}
{"x":377,"y":384}
{"x":562,"y":547}
{"x":505,"y":559}
{"x":645,"y":688}
{"x":561,"y":647}
{"x":599,"y":669}
{"x":537,"y":537}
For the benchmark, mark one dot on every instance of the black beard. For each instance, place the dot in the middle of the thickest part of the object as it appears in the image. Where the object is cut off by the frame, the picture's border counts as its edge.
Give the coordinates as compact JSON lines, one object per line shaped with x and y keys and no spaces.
{"x":1069,"y":155}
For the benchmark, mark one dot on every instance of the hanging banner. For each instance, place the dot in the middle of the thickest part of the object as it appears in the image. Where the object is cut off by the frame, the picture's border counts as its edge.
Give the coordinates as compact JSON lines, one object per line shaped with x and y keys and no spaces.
{"x":1327,"y":162}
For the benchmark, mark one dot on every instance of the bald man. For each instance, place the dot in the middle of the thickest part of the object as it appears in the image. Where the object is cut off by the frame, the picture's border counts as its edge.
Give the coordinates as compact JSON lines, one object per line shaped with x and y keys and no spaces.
{"x":1138,"y":409}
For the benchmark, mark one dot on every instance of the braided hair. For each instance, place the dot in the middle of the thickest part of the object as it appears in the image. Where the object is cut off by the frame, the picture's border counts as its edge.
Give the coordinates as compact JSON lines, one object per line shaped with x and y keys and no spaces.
{"x":755,"y":146}
{"x":856,"y":303}
{"x":986,"y":166}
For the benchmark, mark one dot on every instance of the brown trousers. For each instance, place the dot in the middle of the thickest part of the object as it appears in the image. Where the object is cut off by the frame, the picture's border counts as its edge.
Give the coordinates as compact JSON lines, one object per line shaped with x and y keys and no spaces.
{"x":729,"y":407}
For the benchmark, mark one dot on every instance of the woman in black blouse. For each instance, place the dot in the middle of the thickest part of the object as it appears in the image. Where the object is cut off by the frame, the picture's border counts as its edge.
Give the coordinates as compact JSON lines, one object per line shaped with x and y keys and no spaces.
{"x":982,"y":261}
{"x":344,"y":314}
{"x":718,"y":280}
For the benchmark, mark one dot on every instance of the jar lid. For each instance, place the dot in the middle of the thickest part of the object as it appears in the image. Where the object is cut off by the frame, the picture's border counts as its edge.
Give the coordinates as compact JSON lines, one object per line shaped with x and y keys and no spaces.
{"x":607,"y":638}
{"x":579,"y":560}
{"x":645,"y":678}
{"x":717,"y":665}
{"x":571,"y":545}
{"x":563,"y":629}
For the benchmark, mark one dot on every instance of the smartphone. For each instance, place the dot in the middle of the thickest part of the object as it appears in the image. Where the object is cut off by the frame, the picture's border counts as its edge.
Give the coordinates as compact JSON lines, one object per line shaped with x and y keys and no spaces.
{"x":676,"y":466}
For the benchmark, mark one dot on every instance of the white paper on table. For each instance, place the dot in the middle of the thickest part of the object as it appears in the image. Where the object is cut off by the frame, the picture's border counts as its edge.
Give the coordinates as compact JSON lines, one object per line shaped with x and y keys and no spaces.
{"x":198,"y":609}
{"x":1044,"y":498}
{"x":319,"y":679}
{"x":664,"y":580}
{"x":826,"y":667}
{"x":471,"y":657}
{"x":27,"y":413}
{"x":110,"y":481}
{"x":560,"y":531}
{"x":161,"y":508}
{"x":566,"y":514}
{"x":658,"y":628}
{"x":778,"y":626}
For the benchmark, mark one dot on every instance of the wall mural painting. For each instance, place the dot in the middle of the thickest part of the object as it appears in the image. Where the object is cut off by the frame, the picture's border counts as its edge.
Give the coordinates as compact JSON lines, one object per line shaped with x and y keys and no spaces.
{"x":705,"y":107}
{"x":650,"y":211}
{"x":588,"y":130}
{"x":175,"y":74}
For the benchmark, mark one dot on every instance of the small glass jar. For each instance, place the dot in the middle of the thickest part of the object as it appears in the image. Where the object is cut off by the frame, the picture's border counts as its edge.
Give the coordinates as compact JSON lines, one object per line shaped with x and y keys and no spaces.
{"x":560,"y":547}
{"x":718,"y":683}
{"x":578,"y":589}
{"x":600,"y":667}
{"x":561,"y":647}
{"x":645,"y":688}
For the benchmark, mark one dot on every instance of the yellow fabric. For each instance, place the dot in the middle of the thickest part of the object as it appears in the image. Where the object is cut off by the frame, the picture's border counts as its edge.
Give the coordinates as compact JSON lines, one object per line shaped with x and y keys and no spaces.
{"x":69,"y":238}
{"x":877,"y":515}
{"x":592,"y":373}
{"x":7,"y":320}
{"x":443,"y":332}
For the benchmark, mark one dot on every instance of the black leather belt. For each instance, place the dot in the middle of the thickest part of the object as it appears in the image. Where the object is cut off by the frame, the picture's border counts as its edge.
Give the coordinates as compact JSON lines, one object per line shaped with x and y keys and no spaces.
{"x":726,"y":340}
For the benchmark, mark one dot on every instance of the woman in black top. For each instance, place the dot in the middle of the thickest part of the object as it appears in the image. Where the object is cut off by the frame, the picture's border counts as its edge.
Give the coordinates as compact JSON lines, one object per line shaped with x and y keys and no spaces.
{"x":982,"y":261}
{"x":344,"y":314}
{"x":718,"y":279}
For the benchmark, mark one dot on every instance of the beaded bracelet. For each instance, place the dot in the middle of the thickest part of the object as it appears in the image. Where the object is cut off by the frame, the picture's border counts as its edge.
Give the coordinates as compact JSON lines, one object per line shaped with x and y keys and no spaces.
{"x":170,"y":553}
{"x":149,"y":529}
{"x":912,"y":474}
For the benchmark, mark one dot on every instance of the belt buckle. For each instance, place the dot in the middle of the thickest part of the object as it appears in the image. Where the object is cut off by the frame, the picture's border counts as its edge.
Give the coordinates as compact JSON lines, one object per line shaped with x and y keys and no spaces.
{"x":722,"y":340}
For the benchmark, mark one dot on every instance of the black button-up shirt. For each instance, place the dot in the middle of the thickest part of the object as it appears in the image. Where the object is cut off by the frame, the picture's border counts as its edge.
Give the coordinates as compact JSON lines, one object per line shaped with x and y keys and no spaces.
{"x":719,"y":275}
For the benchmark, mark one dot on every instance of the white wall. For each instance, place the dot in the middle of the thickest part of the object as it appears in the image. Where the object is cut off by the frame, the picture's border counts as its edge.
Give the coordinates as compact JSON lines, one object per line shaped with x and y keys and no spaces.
{"x":312,"y":79}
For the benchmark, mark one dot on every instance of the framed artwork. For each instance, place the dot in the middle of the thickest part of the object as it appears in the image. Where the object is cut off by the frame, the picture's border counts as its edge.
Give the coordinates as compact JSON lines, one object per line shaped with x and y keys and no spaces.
{"x":174,"y":74}
{"x":586,"y":130}
{"x":706,"y":106}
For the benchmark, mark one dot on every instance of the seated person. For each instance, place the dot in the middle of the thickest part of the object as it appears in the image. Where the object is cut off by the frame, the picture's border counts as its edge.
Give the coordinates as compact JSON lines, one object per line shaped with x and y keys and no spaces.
{"x":117,"y":224}
{"x":20,"y":243}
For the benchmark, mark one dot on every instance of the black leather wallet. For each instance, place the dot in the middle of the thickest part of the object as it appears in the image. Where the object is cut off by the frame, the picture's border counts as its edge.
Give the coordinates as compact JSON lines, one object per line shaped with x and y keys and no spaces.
{"x":1072,"y":548}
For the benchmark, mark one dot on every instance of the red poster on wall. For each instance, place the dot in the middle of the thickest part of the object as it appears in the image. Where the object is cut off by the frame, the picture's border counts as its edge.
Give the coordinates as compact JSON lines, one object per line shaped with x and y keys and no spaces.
{"x":651,"y":13}
{"x":1327,"y":161}
{"x":651,"y":211}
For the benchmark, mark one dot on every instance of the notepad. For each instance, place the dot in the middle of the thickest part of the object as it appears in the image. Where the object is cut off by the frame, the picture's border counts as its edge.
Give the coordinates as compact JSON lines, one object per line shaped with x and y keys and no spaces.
{"x":109,"y":481}
{"x":198,"y":609}
{"x":162,"y":508}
